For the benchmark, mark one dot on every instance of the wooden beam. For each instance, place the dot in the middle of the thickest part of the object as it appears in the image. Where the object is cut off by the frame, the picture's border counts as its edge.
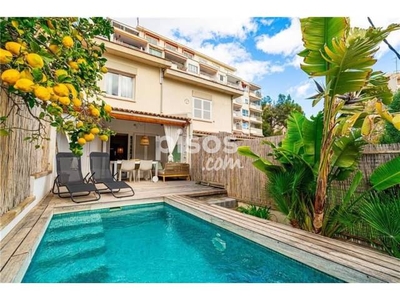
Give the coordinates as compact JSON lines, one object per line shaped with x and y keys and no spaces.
{"x":148,"y":119}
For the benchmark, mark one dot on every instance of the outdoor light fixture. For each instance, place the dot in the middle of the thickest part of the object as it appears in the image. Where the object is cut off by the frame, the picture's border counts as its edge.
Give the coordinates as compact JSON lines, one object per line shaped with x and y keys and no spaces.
{"x":144,"y":141}
{"x":120,"y":150}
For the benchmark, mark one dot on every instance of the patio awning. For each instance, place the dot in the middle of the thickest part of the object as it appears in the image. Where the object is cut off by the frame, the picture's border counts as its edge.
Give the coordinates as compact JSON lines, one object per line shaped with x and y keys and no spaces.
{"x":146,"y":117}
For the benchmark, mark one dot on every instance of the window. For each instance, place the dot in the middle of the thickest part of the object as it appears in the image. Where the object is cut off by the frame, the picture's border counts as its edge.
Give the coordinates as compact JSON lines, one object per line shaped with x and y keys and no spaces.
{"x":171,"y":47}
{"x":221,"y":77}
{"x":245,"y":112}
{"x":152,"y":40}
{"x":246,"y":101}
{"x":193,"y":68}
{"x":245,"y":125}
{"x":155,"y":52}
{"x":119,"y":85}
{"x":187,"y":54}
{"x":202,"y":109}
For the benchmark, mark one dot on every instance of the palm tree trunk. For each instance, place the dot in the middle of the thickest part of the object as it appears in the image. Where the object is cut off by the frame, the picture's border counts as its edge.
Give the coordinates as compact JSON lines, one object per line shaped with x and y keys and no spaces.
{"x":324,"y":167}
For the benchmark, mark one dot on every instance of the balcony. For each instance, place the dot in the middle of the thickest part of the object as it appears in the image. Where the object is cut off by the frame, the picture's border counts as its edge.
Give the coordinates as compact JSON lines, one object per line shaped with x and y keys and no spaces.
{"x":237,"y":115}
{"x":255,"y":107}
{"x":207,"y":76}
{"x":255,"y":95}
{"x":256,"y":131}
{"x":256,"y":119}
{"x":237,"y":102}
{"x":237,"y":127}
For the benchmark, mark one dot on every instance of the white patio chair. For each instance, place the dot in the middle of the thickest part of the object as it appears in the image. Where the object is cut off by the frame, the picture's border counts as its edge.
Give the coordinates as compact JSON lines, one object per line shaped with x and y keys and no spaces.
{"x":145,"y":168}
{"x":129,"y":167}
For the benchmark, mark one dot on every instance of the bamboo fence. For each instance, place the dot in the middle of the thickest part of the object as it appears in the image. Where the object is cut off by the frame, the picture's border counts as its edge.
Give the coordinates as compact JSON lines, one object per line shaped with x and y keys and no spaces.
{"x":248,"y":184}
{"x":19,"y":159}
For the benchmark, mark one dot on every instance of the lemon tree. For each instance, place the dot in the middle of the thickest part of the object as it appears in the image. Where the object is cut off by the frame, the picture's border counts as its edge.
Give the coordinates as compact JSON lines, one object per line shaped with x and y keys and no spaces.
{"x":54,"y":64}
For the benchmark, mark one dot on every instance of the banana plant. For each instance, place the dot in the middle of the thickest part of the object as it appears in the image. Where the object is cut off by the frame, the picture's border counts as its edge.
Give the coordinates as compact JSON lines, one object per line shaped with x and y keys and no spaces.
{"x":292,"y":181}
{"x":344,"y":57}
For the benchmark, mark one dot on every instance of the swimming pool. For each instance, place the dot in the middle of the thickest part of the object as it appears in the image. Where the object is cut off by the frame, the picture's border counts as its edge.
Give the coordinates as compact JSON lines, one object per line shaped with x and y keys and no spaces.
{"x":155,"y":243}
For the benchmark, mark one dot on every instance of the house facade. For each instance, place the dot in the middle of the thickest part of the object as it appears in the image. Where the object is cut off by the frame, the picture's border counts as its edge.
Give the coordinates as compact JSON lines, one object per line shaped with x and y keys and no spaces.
{"x":168,"y":93}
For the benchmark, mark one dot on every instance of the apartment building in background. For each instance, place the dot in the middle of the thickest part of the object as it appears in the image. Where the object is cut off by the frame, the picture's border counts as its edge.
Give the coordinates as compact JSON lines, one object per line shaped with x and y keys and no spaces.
{"x":394,"y":81}
{"x":159,"y":88}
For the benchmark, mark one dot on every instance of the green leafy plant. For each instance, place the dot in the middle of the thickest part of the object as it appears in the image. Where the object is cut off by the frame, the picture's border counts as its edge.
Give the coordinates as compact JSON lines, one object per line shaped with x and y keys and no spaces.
{"x":381,"y":211}
{"x":343,"y":57}
{"x":257,"y":211}
{"x":51,"y":68}
{"x":292,"y":181}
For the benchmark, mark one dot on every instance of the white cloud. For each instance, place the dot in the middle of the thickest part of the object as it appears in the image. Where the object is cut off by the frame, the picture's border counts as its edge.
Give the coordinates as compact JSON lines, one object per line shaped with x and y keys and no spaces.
{"x":237,"y":56}
{"x":302,"y":90}
{"x":286,"y":42}
{"x":379,"y":21}
{"x":197,"y":34}
{"x":266,"y":22}
{"x":197,"y":30}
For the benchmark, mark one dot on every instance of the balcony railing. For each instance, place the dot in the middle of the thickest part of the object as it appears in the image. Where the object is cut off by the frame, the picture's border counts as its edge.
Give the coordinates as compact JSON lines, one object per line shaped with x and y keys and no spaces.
{"x":256,"y":131}
{"x":256,"y":118}
{"x":254,"y":106}
{"x":207,"y":76}
{"x":237,"y":102}
{"x":237,"y":114}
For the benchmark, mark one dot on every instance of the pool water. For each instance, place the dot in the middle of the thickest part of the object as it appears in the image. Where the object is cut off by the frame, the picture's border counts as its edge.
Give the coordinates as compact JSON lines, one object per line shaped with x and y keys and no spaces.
{"x":155,"y":243}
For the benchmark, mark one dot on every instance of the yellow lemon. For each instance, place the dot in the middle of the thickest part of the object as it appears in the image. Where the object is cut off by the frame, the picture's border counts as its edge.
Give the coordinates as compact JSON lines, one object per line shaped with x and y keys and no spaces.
{"x":54,"y":48}
{"x":50,"y":24}
{"x":79,"y":124}
{"x":68,"y":42}
{"x":81,"y":141}
{"x":24,"y":85}
{"x":95,"y":112}
{"x":42,"y":93}
{"x":104,"y":69}
{"x":61,"y":90}
{"x":103,"y":137}
{"x":44,"y":78}
{"x":64,"y":100}
{"x":5,"y":56}
{"x":396,"y":121}
{"x":88,"y":137}
{"x":34,"y":60}
{"x":77,"y":102}
{"x":107,"y":108}
{"x":53,"y":97}
{"x":26,"y":74}
{"x":61,"y":72}
{"x":94,"y":130}
{"x":81,"y":61}
{"x":14,"y":48}
{"x":74,"y":65}
{"x":72,"y":89}
{"x":10,"y":76}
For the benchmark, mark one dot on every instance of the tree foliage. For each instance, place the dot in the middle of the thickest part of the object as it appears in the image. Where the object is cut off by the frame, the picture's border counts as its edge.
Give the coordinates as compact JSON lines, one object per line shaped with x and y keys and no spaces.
{"x":275,"y":114}
{"x":344,"y":57}
{"x":55,"y":64}
{"x":391,"y":134}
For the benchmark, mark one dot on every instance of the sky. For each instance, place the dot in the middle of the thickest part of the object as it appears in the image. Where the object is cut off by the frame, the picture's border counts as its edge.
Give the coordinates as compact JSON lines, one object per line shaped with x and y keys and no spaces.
{"x":260,"y":40}
{"x":262,"y":49}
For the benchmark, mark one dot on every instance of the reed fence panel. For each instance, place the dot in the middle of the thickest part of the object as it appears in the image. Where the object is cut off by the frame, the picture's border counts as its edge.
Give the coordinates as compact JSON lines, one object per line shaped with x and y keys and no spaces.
{"x":19,"y":158}
{"x":248,"y":184}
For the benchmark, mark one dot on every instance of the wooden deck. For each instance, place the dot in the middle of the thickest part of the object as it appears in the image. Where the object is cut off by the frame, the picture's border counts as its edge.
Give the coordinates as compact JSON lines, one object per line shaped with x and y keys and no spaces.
{"x":343,"y":260}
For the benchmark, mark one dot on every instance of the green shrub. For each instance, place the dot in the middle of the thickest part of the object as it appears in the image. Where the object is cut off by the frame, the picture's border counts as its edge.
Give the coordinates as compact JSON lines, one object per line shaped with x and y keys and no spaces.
{"x":260,"y":212}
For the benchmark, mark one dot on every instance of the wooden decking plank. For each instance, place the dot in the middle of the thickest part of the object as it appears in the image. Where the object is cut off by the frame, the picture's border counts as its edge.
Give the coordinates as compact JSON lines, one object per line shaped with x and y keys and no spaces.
{"x":328,"y":242}
{"x":10,"y":247}
{"x":14,"y":268}
{"x":377,"y":257}
{"x":310,"y":239}
{"x":354,"y":262}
